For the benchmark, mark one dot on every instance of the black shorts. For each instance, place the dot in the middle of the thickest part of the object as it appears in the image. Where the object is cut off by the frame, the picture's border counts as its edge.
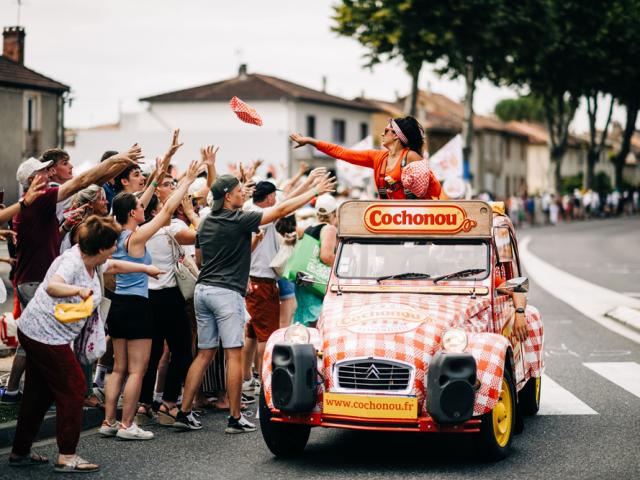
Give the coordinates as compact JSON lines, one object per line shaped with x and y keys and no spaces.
{"x":130,"y":317}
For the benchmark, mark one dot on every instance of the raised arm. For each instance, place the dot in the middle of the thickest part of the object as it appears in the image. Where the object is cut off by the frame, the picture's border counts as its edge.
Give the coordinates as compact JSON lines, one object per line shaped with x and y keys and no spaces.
{"x":208,"y":155}
{"x":293,"y":181}
{"x":37,"y":188}
{"x":162,"y":165}
{"x":101,"y":173}
{"x":315,"y":175}
{"x":326,"y":185}
{"x":362,"y":158}
{"x":146,"y":231}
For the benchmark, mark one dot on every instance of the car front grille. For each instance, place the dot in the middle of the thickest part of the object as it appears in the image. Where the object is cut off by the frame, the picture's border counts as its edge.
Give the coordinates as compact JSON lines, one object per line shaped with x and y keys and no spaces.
{"x":373,"y":374}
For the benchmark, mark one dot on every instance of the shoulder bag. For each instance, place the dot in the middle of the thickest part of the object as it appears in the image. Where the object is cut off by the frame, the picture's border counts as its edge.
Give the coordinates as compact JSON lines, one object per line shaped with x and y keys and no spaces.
{"x":184,"y":268}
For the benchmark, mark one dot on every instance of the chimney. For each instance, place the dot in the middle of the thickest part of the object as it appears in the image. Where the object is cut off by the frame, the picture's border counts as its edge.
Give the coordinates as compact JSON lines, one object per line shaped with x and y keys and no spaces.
{"x":13,"y":45}
{"x":242,"y":71}
{"x":324,"y":84}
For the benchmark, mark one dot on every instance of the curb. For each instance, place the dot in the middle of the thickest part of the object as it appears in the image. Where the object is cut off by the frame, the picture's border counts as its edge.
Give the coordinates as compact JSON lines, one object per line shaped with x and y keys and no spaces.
{"x":627,"y":316}
{"x":92,"y":418}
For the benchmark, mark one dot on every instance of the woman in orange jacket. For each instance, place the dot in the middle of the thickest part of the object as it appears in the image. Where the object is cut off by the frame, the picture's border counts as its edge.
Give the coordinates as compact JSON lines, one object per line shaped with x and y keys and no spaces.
{"x":403,"y":142}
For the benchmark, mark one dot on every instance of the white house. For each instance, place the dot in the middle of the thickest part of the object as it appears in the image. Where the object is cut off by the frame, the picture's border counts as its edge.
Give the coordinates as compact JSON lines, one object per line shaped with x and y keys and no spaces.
{"x":204,"y":117}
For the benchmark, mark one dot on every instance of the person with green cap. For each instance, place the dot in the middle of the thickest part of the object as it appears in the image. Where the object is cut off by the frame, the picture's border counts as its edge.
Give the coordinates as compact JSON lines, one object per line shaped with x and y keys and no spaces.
{"x":223,"y":249}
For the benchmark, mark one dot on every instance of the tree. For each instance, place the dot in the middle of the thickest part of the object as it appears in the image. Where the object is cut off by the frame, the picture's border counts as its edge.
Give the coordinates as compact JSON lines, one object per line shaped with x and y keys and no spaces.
{"x":525,"y":108}
{"x":624,"y":43}
{"x":388,"y":31}
{"x":464,"y":38}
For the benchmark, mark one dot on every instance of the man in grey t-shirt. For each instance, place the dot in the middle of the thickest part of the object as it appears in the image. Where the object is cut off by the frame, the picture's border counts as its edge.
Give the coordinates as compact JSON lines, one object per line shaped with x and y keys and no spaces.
{"x":223,"y":248}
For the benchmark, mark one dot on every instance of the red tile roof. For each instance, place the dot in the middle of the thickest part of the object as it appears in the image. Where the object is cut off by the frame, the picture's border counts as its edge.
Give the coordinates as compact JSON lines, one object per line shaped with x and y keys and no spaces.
{"x":256,"y":87}
{"x":13,"y":74}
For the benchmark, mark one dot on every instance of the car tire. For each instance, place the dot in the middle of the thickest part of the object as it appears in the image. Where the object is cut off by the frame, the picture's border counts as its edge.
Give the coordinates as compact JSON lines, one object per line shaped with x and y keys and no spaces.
{"x":284,"y":440}
{"x":529,"y":396}
{"x":498,"y":426}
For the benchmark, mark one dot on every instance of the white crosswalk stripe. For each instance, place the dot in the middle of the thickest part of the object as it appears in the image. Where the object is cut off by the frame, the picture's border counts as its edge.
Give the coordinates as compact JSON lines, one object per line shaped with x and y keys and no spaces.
{"x":624,"y":374}
{"x":556,"y":400}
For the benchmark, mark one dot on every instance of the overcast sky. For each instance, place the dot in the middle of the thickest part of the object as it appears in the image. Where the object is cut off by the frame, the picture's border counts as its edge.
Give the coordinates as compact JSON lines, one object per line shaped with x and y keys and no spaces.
{"x":112,"y":52}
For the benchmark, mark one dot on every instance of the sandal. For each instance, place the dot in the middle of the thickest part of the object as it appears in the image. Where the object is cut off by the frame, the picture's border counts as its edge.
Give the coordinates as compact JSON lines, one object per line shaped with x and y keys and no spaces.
{"x":27,"y":460}
{"x":164,"y":414}
{"x":145,"y":414}
{"x":77,"y":465}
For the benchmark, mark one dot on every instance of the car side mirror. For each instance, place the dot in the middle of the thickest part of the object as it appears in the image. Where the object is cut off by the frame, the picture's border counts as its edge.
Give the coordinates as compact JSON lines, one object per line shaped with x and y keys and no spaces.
{"x":517,"y":285}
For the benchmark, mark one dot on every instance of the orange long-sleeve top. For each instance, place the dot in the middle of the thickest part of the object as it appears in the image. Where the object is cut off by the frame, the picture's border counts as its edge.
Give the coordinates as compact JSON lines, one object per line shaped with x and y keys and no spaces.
{"x":377,"y":160}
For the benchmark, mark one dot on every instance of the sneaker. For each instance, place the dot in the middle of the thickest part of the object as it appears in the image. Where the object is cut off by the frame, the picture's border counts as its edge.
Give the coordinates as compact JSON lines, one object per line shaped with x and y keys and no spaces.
{"x":187,"y":421}
{"x":251,"y":385}
{"x":99,"y":393}
{"x":109,"y":429}
{"x":134,"y":432}
{"x":239,"y":425}
{"x":11,"y":399}
{"x":247,"y":399}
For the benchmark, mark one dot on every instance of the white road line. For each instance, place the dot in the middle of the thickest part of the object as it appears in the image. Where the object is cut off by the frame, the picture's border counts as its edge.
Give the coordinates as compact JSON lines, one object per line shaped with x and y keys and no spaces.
{"x":591,"y":300}
{"x":555,"y":400}
{"x":624,"y":374}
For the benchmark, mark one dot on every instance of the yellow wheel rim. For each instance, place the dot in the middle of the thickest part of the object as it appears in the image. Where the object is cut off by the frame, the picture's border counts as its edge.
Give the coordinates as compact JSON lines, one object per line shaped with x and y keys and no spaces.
{"x":503,"y":416}
{"x":538,"y":382}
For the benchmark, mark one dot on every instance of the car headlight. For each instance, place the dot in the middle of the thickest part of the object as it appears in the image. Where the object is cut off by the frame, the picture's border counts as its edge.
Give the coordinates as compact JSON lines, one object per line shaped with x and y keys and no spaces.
{"x":454,"y":340}
{"x":297,"y":333}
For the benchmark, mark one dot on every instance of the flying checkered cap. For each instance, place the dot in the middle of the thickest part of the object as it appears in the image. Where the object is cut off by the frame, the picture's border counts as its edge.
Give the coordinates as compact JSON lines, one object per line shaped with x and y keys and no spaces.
{"x":244,"y":112}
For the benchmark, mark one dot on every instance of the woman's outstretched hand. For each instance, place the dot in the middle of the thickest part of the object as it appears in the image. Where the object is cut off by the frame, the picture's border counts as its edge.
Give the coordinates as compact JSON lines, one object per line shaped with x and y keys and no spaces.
{"x":300,"y":140}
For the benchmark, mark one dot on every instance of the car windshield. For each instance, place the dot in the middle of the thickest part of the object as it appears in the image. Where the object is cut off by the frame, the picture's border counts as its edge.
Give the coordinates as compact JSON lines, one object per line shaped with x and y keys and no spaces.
{"x":413,"y":259}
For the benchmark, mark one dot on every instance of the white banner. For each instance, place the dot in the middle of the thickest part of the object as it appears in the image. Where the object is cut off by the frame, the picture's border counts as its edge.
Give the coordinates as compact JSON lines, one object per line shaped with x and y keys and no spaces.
{"x":447,"y":162}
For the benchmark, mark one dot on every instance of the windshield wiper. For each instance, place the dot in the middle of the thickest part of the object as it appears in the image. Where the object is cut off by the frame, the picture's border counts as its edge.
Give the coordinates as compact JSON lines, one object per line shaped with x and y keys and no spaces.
{"x":404,"y":275}
{"x":462,"y":273}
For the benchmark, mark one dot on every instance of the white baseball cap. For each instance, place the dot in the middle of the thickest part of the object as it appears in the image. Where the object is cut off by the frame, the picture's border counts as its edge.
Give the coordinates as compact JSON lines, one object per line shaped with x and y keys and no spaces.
{"x":28,"y":168}
{"x":326,"y":204}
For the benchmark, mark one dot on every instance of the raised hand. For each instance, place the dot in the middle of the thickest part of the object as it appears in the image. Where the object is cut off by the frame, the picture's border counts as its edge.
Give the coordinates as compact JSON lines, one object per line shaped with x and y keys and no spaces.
{"x":187,"y":206}
{"x":304,"y":166}
{"x":208,"y":154}
{"x":37,"y":187}
{"x":134,"y":154}
{"x":326,"y":185}
{"x":175,"y":144}
{"x":192,"y":171}
{"x":317,"y":174}
{"x":300,"y":140}
{"x":248,"y":189}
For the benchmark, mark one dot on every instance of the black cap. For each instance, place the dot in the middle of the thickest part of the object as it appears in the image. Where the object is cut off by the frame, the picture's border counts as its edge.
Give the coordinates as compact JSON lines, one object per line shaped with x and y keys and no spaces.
{"x":221,"y":186}
{"x":263,"y":189}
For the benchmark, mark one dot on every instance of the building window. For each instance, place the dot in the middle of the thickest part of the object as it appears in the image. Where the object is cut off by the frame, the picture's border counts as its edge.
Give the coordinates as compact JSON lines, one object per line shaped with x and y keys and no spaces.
{"x":31,"y":124}
{"x":311,"y":126}
{"x":339,"y":131}
{"x":364,"y":130}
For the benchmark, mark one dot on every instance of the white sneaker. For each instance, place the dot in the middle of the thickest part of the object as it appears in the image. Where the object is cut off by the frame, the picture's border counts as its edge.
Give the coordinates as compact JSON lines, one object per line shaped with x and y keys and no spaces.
{"x":250,"y":386}
{"x":134,"y":432}
{"x":109,"y":429}
{"x":239,"y":425}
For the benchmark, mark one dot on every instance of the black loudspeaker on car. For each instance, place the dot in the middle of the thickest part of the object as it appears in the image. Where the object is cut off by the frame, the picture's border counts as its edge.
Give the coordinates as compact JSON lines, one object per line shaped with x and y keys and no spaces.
{"x":294,"y":378}
{"x":451,"y":383}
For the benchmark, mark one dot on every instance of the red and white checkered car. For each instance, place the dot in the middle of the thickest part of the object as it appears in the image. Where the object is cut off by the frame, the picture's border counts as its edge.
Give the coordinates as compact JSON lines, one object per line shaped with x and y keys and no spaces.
{"x":408,"y":338}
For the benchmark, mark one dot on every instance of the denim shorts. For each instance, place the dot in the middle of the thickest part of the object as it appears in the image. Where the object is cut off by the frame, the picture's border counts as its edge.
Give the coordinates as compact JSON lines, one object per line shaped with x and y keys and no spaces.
{"x":220,"y":317}
{"x":287,"y":289}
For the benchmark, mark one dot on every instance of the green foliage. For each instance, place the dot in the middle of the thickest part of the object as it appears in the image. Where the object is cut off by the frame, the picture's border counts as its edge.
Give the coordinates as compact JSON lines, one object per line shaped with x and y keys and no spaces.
{"x":601,"y":183}
{"x":527,"y":108}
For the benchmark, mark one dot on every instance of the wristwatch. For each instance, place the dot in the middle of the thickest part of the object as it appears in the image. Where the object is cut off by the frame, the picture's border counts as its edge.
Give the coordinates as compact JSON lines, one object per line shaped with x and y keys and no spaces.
{"x":22,"y":203}
{"x":519,"y":310}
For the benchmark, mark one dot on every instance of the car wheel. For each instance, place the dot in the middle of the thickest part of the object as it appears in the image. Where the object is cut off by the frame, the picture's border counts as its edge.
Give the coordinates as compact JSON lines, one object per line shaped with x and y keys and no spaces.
{"x":283,"y":439}
{"x":529,"y":396}
{"x":498,"y":425}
